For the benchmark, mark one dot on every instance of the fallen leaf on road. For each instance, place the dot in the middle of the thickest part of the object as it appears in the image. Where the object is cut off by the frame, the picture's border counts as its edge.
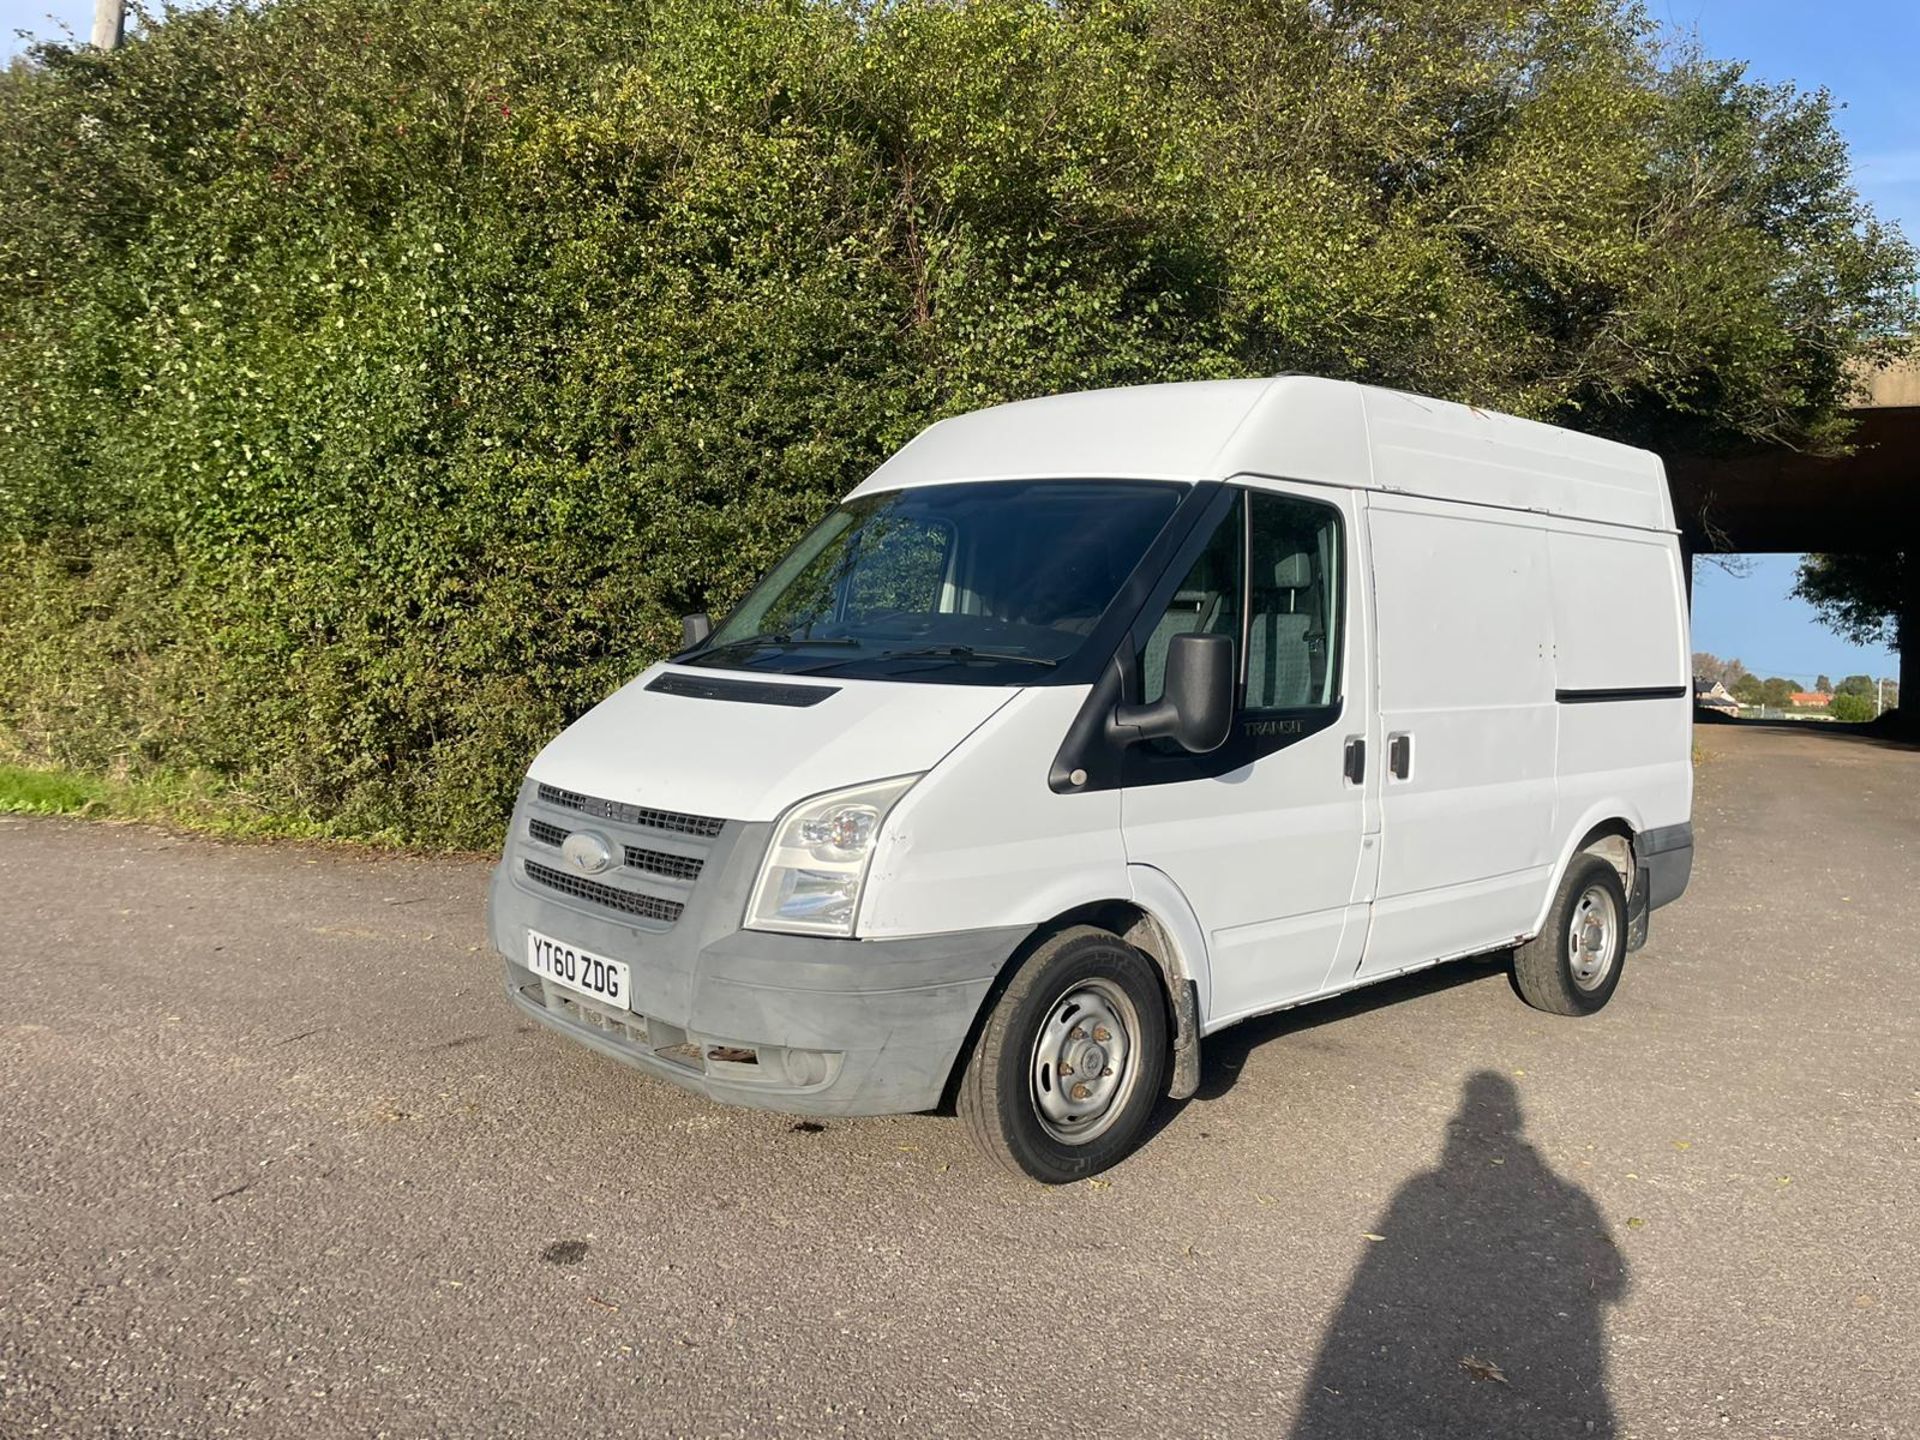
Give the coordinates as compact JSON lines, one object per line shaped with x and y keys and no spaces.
{"x":1101,"y":1184}
{"x":1369,"y":1235}
{"x":1634,"y":1222}
{"x":1683,"y":1144}
{"x":1482,"y":1369}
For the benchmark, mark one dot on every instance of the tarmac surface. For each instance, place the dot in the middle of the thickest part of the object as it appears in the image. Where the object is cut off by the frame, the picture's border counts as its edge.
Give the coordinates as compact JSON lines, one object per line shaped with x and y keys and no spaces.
{"x":277,"y":1158}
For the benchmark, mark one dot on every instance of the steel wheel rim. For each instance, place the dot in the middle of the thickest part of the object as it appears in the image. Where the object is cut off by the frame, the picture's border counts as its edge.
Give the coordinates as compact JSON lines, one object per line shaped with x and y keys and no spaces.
{"x":1590,"y":937}
{"x":1085,"y":1062}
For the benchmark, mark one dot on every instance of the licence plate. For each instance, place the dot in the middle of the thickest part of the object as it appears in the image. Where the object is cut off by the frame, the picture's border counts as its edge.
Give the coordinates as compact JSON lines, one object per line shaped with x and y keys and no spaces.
{"x":592,"y":975}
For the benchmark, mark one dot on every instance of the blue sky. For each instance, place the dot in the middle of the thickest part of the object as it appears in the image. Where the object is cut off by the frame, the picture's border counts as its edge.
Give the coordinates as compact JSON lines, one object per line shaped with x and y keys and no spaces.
{"x":1752,"y":620}
{"x":1865,"y":52}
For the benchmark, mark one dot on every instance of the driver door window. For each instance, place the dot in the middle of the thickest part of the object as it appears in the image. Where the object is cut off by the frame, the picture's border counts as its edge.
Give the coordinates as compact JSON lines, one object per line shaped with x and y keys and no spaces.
{"x":1270,"y":576}
{"x":1293,"y":623}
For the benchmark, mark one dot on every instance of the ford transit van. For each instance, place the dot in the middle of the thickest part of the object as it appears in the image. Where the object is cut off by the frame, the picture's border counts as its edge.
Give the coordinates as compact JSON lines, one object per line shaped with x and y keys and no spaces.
{"x":1087,"y":726}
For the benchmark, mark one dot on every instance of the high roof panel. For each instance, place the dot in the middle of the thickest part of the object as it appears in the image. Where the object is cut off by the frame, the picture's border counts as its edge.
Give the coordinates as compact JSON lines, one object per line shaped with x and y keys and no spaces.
{"x":1292,"y":427}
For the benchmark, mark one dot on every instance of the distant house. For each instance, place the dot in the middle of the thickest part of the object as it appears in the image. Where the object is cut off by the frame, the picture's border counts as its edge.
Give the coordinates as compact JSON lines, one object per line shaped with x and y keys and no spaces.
{"x":1810,"y":700}
{"x":1712,"y":695}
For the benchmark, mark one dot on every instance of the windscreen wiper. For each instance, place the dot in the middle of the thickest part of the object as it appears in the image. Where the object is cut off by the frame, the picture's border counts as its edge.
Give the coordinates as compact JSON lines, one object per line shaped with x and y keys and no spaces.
{"x":775,"y":639}
{"x":964,"y":652}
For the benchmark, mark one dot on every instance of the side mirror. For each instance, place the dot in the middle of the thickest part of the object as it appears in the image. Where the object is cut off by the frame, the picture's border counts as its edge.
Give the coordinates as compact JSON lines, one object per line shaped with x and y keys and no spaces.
{"x":694,"y":629}
{"x":1196,"y":711}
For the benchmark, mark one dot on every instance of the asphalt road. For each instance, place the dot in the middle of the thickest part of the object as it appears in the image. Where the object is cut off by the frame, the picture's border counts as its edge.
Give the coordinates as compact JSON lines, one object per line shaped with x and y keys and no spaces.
{"x":276,"y":1158}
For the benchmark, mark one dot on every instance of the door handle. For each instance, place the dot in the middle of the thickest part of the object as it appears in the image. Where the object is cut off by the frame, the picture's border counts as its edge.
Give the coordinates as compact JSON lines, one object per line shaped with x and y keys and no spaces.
{"x":1354,"y":764}
{"x":1400,"y":755}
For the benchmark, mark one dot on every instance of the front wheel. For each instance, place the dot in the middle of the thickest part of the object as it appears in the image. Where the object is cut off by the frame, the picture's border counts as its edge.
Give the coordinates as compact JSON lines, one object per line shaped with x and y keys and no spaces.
{"x":1572,"y":967}
{"x":1072,"y":1061}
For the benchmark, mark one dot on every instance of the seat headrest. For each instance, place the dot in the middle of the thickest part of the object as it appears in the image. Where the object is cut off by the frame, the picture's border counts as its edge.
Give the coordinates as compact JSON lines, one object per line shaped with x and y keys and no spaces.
{"x":1292,"y":572}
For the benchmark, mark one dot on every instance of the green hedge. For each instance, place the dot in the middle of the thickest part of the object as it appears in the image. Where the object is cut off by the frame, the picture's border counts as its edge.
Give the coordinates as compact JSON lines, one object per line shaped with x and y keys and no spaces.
{"x":380,"y":379}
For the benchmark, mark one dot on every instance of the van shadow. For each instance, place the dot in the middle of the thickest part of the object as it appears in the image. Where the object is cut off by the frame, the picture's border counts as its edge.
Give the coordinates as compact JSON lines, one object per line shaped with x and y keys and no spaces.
{"x":1887,"y":733}
{"x":1224,"y":1055}
{"x":1478,"y":1311}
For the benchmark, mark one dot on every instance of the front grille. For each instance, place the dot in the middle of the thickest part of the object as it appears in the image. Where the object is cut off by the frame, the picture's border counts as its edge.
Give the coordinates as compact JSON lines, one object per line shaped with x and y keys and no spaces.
{"x":659,"y":862}
{"x":654,"y":862}
{"x":650,"y":907}
{"x":668,"y":820}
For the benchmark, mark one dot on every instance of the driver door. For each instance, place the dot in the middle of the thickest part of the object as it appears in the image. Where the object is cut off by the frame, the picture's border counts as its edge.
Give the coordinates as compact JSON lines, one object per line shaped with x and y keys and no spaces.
{"x":1268,"y":836}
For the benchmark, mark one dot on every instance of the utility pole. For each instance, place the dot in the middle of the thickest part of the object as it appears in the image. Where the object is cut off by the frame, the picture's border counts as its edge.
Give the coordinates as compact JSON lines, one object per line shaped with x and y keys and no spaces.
{"x":109,"y":24}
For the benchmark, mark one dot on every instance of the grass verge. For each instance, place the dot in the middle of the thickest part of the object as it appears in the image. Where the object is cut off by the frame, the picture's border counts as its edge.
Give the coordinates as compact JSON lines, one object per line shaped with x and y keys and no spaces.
{"x":50,"y":792}
{"x":197,"y":803}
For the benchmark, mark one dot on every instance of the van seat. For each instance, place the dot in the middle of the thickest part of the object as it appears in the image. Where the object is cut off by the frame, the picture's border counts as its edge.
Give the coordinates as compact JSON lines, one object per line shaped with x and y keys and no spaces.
{"x":1192,"y":612}
{"x":1279,"y":643}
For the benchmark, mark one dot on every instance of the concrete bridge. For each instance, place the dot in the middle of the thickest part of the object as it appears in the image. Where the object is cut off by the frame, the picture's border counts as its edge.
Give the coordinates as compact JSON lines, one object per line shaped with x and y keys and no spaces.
{"x":1867,"y":502}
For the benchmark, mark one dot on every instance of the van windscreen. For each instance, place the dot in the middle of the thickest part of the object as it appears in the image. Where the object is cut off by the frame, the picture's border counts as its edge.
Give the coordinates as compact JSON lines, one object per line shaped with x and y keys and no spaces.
{"x":986,"y":582}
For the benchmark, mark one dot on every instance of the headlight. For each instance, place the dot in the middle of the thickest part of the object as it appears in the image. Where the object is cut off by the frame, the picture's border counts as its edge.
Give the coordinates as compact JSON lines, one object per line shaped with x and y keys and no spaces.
{"x":810,"y":881}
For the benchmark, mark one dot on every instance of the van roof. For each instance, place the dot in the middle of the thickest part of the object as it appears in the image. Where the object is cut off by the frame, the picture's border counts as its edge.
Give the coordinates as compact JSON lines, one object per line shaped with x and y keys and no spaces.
{"x":1293,"y":427}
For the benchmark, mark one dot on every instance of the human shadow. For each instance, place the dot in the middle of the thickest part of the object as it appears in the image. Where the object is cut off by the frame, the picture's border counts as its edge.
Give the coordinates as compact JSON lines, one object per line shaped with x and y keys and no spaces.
{"x":1478,"y":1311}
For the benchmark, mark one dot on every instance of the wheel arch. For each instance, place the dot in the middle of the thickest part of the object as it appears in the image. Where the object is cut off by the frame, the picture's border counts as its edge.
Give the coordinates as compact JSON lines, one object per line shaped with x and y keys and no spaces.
{"x":1167,"y":941}
{"x":1606,"y":830}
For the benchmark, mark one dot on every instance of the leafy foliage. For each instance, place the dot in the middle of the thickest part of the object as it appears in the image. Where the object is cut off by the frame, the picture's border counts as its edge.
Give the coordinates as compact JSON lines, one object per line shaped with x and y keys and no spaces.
{"x":1853,"y":709}
{"x":379,"y":380}
{"x":1856,"y":596}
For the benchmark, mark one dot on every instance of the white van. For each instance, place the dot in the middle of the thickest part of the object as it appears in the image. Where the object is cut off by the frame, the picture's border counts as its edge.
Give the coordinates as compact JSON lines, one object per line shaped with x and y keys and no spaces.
{"x":1090,"y":725}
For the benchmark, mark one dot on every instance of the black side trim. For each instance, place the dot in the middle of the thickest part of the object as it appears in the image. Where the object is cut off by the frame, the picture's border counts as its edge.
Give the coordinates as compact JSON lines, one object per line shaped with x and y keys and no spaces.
{"x":745,"y":692}
{"x":1602,"y":697}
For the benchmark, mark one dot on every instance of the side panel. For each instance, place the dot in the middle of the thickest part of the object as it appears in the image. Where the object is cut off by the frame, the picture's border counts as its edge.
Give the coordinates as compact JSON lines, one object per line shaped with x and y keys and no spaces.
{"x":1463,"y":610}
{"x":1619,"y":611}
{"x":1617,"y":603}
{"x":982,"y":841}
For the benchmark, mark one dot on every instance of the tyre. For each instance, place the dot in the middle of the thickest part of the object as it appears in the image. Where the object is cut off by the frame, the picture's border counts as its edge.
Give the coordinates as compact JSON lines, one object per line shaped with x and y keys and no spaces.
{"x":1572,"y":967}
{"x":1072,"y":1060}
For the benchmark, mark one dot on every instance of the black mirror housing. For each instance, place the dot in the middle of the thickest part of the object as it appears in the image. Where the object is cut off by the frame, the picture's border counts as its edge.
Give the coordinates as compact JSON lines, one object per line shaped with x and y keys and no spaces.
{"x":1196,"y":710}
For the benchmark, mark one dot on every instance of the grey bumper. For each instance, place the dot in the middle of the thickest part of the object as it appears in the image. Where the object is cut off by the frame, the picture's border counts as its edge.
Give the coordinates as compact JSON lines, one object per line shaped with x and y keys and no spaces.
{"x":1666,"y":855}
{"x":781,"y":1022}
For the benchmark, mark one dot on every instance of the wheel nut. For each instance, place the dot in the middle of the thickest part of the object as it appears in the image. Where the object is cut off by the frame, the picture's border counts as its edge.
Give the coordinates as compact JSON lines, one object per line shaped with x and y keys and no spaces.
{"x":1107,"y":1071}
{"x":1076,"y":1033}
{"x":1065,"y":1069}
{"x":1102,"y":1034}
{"x":1080,"y":1092}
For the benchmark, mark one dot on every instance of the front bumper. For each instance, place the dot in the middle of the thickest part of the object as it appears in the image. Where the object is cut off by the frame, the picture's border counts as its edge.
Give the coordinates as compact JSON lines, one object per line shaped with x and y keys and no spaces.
{"x":780,"y":1022}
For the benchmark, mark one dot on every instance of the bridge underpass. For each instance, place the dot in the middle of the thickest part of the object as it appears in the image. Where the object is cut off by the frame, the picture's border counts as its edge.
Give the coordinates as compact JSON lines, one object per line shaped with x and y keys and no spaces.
{"x":1866,"y":503}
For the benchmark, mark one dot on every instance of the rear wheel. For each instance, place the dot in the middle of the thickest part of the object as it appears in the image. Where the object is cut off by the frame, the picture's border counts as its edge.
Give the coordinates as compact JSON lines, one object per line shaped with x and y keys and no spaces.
{"x":1572,"y":967}
{"x":1072,"y":1060}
